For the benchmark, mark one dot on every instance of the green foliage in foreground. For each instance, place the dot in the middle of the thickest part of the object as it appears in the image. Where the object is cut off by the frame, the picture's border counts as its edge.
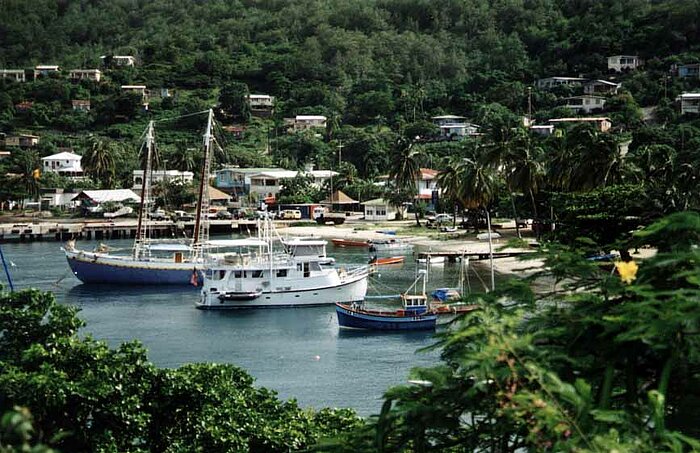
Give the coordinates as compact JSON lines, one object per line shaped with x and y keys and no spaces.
{"x":86,"y":397}
{"x":588,"y":364}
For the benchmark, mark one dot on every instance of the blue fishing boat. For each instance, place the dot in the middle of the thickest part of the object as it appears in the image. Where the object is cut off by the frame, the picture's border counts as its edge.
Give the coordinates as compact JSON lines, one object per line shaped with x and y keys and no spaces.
{"x":415,"y":314}
{"x":152,"y":262}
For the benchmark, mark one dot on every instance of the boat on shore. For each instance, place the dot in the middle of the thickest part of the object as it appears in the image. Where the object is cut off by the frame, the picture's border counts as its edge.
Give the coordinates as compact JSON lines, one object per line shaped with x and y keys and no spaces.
{"x":152,"y":262}
{"x":349,"y":243}
{"x":414,"y":314}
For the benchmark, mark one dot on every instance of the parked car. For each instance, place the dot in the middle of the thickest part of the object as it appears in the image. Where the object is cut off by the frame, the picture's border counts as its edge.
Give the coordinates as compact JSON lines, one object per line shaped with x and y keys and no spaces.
{"x":182,"y":216}
{"x":159,"y":214}
{"x":439,"y":219}
{"x":290,"y":214}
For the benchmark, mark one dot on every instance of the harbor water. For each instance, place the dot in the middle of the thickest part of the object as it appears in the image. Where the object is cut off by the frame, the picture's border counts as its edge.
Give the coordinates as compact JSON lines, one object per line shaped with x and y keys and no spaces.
{"x":300,"y":352}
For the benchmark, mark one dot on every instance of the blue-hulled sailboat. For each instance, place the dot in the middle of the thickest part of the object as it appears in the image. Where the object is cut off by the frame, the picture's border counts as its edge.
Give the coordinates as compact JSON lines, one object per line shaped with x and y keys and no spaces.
{"x":152,"y":262}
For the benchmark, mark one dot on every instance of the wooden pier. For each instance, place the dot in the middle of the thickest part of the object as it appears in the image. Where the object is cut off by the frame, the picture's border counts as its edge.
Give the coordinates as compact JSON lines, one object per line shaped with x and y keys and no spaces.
{"x":101,"y":230}
{"x":452,"y":256}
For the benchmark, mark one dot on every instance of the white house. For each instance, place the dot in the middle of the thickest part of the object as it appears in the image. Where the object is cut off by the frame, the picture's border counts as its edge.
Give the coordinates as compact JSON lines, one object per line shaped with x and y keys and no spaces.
{"x":120,"y":60}
{"x":585,"y":103}
{"x":261,"y":101}
{"x":594,"y":87}
{"x":184,"y":177}
{"x":542,"y":129}
{"x":85,"y":74}
{"x":690,"y":102}
{"x":45,"y":70}
{"x":139,"y":89}
{"x":82,"y":105}
{"x":619,"y":63}
{"x":551,"y":82}
{"x":454,"y":126}
{"x":65,"y":164}
{"x":379,"y":210}
{"x":18,"y":75}
{"x":304,"y":122}
{"x":603,"y":124}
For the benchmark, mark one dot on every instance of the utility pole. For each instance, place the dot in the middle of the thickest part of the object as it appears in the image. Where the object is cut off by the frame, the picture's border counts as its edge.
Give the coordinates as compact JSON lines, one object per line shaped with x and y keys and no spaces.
{"x":529,"y":105}
{"x":340,"y":152}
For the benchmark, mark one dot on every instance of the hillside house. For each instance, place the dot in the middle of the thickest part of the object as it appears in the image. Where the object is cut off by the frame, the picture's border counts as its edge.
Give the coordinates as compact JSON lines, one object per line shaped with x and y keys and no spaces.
{"x":620,"y":63}
{"x":118,"y":60}
{"x":18,"y":75}
{"x":139,"y":89}
{"x":688,"y":71}
{"x":584,"y":104}
{"x":24,"y":106}
{"x":236,"y":180}
{"x":305,"y":122}
{"x":552,"y":82}
{"x":182,"y":177}
{"x":600,"y":87}
{"x":603,"y":124}
{"x":261,"y":104}
{"x":544,"y":130}
{"x":44,"y":70}
{"x":65,"y":164}
{"x":80,"y":105}
{"x":22,"y":140}
{"x":85,"y":74}
{"x":454,"y":126}
{"x":690,"y":102}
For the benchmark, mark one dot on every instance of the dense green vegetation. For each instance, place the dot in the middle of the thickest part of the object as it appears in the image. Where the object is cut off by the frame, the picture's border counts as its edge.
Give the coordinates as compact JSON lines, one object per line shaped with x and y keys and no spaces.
{"x":85,"y":397}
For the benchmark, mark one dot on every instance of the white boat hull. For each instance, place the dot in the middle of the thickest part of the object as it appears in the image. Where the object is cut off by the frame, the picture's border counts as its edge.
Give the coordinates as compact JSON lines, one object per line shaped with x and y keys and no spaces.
{"x":352,"y":290}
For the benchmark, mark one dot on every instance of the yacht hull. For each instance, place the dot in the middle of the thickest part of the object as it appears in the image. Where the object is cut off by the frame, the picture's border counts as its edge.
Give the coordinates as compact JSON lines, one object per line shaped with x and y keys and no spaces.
{"x":352,"y":290}
{"x":91,"y":267}
{"x":349,"y":318}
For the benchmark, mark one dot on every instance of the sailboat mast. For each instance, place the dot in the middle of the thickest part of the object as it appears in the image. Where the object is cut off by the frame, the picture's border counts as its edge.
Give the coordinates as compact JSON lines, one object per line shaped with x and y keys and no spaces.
{"x":141,"y":235}
{"x":201,"y":226}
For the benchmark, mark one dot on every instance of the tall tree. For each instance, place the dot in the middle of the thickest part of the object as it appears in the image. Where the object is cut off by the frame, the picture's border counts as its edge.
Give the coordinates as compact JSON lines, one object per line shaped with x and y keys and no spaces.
{"x":404,"y":170}
{"x":99,"y":160}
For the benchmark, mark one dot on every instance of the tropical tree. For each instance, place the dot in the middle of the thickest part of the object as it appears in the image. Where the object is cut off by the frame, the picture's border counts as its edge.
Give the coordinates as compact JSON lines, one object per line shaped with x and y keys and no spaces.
{"x":184,"y":158}
{"x":404,"y":170}
{"x":99,"y":160}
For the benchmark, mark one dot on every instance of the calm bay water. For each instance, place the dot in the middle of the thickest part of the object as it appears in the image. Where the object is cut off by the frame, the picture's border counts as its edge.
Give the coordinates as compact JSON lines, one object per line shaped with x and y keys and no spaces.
{"x":300,"y":353}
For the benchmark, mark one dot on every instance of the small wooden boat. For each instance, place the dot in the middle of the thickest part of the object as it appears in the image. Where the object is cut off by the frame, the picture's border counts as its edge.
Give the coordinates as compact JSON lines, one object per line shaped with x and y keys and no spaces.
{"x":349,"y":243}
{"x":431,"y":260}
{"x":389,"y":245}
{"x":414,"y":315}
{"x":387,"y":260}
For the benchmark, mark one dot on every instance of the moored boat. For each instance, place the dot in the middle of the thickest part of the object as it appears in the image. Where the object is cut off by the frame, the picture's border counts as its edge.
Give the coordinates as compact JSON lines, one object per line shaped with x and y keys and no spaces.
{"x":414,"y":314}
{"x":152,"y":262}
{"x":389,"y":245}
{"x":349,"y":243}
{"x":260,"y":277}
{"x":431,"y":260}
{"x":379,"y":261}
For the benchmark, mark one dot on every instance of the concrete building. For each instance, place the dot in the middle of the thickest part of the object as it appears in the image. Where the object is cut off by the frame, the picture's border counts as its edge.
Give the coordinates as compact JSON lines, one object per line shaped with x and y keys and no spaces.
{"x":603,"y":124}
{"x":82,"y":105}
{"x":548,"y":83}
{"x":305,"y":122}
{"x":183,"y":177}
{"x":379,"y":210}
{"x":18,"y":75}
{"x":44,"y":70}
{"x":585,"y":103}
{"x":22,"y":140}
{"x":118,"y":60}
{"x":690,"y":102}
{"x":65,"y":164}
{"x":620,"y":63}
{"x":453,"y":126}
{"x":85,"y":74}
{"x":598,"y":87}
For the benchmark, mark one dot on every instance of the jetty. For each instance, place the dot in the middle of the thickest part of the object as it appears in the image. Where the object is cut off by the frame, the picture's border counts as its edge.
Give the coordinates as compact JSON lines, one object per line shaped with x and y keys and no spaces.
{"x":452,"y":256}
{"x":87,"y":229}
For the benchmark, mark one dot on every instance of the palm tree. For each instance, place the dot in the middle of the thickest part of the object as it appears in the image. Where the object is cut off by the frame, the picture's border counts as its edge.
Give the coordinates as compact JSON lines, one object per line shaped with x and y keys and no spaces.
{"x":27,"y":165}
{"x":469,"y":182}
{"x":524,"y":170}
{"x":99,"y":160}
{"x":404,"y":169}
{"x":184,"y":157}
